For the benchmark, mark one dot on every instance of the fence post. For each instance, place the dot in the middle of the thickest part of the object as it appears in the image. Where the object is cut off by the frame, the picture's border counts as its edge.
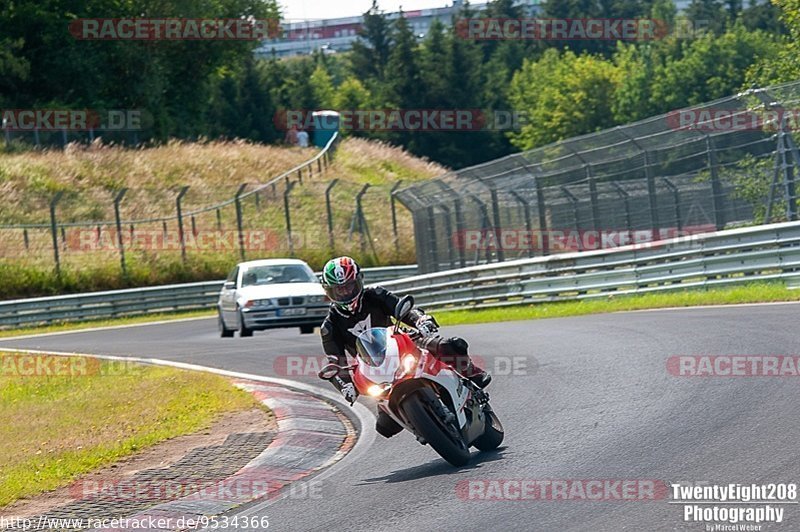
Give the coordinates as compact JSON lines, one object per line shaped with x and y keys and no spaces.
{"x":626,"y":202}
{"x":716,"y":186}
{"x":360,"y":217}
{"x":286,"y":193}
{"x":676,"y":198}
{"x":178,"y":200}
{"x":219,"y":220}
{"x":460,"y":234}
{"x":574,"y":201}
{"x":527,"y":211}
{"x":484,"y":227}
{"x":238,"y":202}
{"x":651,"y":185}
{"x":785,"y":141}
{"x":501,"y":256}
{"x":117,"y":200}
{"x":26,"y":239}
{"x":330,"y":211}
{"x":540,"y":208}
{"x":394,"y":215}
{"x":54,"y":229}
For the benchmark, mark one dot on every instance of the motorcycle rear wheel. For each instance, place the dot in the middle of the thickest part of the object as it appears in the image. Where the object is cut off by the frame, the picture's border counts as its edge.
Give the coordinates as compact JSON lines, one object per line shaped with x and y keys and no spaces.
{"x":432,"y":428}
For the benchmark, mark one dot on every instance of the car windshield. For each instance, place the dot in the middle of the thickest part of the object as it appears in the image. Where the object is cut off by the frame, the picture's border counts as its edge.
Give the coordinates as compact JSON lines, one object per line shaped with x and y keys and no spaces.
{"x":278,"y":274}
{"x":371,"y":346}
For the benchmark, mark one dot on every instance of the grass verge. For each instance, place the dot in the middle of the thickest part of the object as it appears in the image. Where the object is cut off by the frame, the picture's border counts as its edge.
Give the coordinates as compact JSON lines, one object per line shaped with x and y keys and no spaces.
{"x":749,"y":293}
{"x":90,"y":413}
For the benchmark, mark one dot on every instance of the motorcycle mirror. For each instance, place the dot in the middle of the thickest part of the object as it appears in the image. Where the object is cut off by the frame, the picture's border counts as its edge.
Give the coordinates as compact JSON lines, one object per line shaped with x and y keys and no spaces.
{"x":402,"y":309}
{"x":404,"y":306}
{"x":329,"y":371}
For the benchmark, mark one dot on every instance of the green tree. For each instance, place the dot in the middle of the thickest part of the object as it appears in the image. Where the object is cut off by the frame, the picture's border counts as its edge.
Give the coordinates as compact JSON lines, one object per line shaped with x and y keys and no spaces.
{"x":563,"y":95}
{"x":784,"y":65}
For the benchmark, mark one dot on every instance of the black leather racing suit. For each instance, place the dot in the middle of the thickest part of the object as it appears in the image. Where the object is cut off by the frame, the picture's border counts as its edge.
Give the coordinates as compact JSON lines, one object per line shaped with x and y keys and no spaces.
{"x":340,"y":329}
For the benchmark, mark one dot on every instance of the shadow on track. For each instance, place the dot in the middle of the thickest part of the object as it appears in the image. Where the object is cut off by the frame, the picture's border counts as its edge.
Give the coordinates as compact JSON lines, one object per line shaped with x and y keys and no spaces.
{"x":437,"y":467}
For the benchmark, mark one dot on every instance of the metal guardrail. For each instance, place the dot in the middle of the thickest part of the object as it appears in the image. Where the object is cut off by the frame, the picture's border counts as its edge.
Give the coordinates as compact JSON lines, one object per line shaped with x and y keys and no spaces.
{"x":138,"y":301}
{"x":724,"y":258}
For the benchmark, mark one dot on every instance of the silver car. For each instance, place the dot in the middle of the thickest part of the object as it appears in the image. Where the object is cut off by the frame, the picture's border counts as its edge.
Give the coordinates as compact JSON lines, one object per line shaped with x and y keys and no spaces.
{"x":269,"y":294}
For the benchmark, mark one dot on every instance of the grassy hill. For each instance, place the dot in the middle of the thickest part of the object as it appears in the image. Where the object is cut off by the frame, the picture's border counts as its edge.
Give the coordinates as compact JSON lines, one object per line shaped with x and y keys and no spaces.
{"x":89,"y":177}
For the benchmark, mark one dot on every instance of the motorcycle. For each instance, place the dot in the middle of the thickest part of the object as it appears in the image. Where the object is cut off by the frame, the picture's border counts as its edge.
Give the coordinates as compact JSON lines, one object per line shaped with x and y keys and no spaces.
{"x":425,"y":396}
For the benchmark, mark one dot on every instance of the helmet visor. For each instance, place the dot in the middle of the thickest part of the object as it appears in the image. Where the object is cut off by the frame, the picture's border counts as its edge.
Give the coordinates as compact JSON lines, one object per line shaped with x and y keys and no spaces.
{"x":344,"y":293}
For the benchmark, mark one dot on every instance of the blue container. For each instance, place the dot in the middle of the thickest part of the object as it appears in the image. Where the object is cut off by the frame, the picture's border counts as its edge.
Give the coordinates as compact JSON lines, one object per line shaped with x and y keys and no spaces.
{"x":326,"y":124}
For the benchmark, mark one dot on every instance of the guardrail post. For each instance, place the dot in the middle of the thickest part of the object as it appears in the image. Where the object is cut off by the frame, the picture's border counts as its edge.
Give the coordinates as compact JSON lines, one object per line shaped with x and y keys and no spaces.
{"x":54,"y":229}
{"x":330,"y":211}
{"x":286,"y":193}
{"x":676,"y":198}
{"x":527,"y":212}
{"x":394,"y":215}
{"x":178,"y":201}
{"x":574,"y":201}
{"x":117,"y":199}
{"x":238,"y":203}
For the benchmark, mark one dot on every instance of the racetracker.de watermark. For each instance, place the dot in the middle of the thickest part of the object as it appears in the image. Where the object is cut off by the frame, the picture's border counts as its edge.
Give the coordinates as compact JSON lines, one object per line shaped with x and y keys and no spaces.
{"x":557,"y":29}
{"x":587,"y":490}
{"x":717,"y":119}
{"x":251,"y":485}
{"x":511,"y":239}
{"x":499,"y":365}
{"x":174,"y":29}
{"x":16,"y":365}
{"x":73,"y":119}
{"x":734,"y":366}
{"x":577,"y":29}
{"x":440,"y":120}
{"x":90,"y":240}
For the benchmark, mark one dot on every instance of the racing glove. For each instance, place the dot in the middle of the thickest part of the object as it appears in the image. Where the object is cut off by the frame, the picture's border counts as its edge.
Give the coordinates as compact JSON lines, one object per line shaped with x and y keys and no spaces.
{"x":349,"y":392}
{"x":427,"y":325}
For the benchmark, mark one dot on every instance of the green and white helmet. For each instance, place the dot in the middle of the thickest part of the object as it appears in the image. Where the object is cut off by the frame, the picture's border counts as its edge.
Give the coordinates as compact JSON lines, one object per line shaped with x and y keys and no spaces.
{"x":343,"y":283}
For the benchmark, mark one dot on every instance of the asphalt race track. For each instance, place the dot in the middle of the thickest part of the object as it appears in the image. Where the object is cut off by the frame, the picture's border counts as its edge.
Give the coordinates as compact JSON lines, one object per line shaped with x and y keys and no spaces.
{"x":594,"y":401}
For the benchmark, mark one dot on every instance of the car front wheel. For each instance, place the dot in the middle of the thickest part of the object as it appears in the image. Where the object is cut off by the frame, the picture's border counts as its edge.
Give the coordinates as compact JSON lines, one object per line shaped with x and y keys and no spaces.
{"x":244,"y":331}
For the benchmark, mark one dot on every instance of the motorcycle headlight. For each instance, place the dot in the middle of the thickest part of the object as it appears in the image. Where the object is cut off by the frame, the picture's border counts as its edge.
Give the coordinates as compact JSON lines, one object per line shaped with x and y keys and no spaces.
{"x":376,"y":390}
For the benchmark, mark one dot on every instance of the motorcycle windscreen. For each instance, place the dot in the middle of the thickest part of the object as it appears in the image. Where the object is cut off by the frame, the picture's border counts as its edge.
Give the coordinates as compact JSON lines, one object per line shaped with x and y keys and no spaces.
{"x":371,"y":346}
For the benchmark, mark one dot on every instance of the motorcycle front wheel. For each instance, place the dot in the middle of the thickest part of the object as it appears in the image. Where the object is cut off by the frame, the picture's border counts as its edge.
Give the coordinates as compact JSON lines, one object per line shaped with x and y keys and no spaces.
{"x":443,"y":436}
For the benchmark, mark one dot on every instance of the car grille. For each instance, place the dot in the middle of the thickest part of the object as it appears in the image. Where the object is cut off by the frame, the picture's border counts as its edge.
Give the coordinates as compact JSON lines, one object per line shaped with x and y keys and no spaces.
{"x":286,"y":301}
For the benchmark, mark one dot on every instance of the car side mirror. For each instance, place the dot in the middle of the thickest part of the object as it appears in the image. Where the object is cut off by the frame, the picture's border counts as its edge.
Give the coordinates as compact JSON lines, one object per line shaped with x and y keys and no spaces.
{"x":403,"y":307}
{"x":229,"y":285}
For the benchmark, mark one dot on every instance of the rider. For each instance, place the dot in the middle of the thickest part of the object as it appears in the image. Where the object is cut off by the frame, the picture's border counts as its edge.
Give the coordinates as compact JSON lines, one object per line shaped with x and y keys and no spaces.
{"x":355,"y":309}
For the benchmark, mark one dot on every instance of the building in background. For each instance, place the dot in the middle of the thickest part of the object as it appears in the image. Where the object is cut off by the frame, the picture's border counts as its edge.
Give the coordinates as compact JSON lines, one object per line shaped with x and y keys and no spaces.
{"x":338,"y":35}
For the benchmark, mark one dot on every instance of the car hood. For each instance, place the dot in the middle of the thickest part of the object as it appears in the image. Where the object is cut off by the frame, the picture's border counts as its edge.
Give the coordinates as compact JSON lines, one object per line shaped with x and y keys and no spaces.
{"x":281,"y":290}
